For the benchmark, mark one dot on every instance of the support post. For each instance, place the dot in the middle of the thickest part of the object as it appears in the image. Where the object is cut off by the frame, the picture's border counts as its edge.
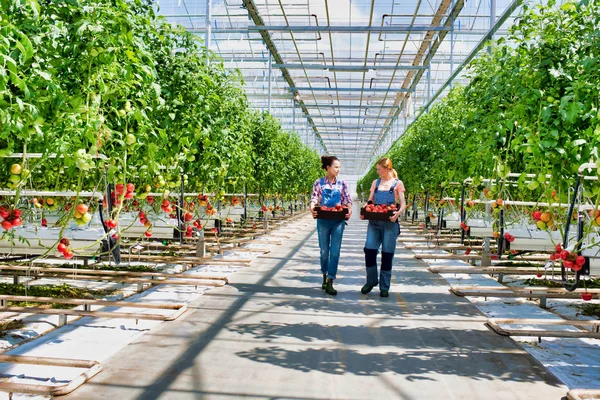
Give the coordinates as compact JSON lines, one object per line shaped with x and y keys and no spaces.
{"x":269,"y":87}
{"x":492,"y":20}
{"x":201,"y":245}
{"x":208,"y":29}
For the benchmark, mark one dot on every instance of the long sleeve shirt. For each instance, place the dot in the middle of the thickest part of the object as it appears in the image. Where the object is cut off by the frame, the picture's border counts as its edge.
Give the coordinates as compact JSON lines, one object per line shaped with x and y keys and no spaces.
{"x":325,"y":182}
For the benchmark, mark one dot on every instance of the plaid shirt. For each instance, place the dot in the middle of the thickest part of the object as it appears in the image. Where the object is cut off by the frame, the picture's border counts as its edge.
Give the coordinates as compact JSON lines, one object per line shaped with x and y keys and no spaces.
{"x":323,"y":182}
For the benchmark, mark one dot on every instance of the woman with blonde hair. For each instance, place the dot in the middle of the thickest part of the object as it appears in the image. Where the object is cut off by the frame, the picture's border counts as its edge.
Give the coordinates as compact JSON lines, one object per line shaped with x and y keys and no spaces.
{"x":388,"y":189}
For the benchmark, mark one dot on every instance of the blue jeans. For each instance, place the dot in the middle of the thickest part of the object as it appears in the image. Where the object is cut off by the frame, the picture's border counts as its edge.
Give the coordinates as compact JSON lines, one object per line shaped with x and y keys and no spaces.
{"x":330,"y":241}
{"x":384,"y":234}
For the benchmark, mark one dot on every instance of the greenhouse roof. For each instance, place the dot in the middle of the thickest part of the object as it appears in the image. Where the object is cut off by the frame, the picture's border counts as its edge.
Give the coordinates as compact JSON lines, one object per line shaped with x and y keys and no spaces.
{"x":347,"y":75}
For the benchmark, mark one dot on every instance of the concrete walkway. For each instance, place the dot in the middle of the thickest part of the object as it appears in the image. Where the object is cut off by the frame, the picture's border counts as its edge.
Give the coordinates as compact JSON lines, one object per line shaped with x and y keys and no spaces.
{"x":274,"y":334}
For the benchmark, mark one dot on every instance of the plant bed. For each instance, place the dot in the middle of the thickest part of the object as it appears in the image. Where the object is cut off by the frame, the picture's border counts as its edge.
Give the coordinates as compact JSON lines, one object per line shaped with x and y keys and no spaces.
{"x":376,"y":212}
{"x":336,"y":213}
{"x":63,"y":291}
{"x":590,"y":310}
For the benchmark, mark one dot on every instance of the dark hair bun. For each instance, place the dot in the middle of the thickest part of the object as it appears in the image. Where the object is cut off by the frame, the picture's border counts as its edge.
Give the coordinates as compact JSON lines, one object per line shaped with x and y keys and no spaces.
{"x":326,"y":161}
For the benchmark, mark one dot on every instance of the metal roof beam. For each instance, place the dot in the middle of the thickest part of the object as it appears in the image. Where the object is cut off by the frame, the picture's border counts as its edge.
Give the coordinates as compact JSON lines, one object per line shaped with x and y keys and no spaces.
{"x":347,"y":89}
{"x":257,"y":19}
{"x":349,"y":68}
{"x":350,"y":29}
{"x":347,"y":106}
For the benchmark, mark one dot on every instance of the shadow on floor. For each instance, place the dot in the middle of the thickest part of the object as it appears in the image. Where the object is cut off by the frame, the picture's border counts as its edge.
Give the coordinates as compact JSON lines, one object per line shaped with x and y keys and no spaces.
{"x":415,"y":364}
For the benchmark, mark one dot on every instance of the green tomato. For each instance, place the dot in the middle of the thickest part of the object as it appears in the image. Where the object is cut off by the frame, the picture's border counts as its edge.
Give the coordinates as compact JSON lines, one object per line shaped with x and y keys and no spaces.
{"x":122,"y":113}
{"x":130,"y":139}
{"x":127,"y":106}
{"x":533,"y":185}
{"x":550,"y":99}
{"x":190,"y":158}
{"x":14,"y":178}
{"x":15,"y":169}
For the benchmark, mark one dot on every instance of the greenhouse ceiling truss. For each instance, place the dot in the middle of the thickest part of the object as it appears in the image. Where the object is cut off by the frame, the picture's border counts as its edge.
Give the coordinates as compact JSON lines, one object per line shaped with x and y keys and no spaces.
{"x":348,"y":76}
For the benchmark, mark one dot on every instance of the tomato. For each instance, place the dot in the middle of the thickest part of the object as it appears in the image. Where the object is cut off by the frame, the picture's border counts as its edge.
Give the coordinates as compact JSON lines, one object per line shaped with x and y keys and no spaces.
{"x":558,"y":248}
{"x":68,"y":254}
{"x":130,"y":187}
{"x":120,"y":188}
{"x":65,"y":241}
{"x":7,"y":225}
{"x":81,"y":208}
{"x":61,"y":247}
{"x":16,"y":222}
{"x":44,"y":222}
{"x":586,"y":296}
{"x":188,"y":217}
{"x":111,"y":224}
{"x":564,"y":254}
{"x":148,"y":233}
{"x":568,"y":264}
{"x":580,"y":260}
{"x":15,"y":169}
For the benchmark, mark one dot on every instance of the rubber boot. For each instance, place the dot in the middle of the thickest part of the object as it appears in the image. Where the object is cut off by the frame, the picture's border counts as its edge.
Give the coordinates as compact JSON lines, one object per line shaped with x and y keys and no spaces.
{"x":385,"y":276}
{"x":324,"y":285}
{"x":329,"y":289}
{"x":371,"y":266}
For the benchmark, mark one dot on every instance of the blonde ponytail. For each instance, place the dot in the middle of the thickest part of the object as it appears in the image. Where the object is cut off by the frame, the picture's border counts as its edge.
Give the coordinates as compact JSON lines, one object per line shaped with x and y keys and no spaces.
{"x":387,"y":163}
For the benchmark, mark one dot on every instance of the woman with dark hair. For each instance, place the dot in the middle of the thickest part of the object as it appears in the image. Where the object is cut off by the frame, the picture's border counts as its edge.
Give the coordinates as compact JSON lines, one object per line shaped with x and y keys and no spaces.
{"x":330,"y":191}
{"x":388,"y":189}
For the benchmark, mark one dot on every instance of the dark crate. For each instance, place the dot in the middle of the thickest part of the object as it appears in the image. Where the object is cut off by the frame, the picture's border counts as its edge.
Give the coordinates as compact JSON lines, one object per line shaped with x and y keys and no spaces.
{"x":331,"y":215}
{"x":377,"y":216}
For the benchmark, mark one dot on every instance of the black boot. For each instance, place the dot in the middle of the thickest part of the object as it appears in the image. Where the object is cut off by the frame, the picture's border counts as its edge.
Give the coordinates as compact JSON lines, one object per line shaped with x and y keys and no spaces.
{"x":324,"y":285}
{"x":329,"y":289}
{"x":371,"y":265}
{"x":385,"y":276}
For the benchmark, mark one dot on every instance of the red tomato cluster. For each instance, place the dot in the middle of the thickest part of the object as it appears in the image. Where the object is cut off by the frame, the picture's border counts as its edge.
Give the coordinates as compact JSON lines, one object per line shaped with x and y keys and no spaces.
{"x":166,"y":206}
{"x":569,"y":259}
{"x":144,"y":220}
{"x":63,"y":247}
{"x":510,"y":238}
{"x":464,"y":226}
{"x":381,"y":208}
{"x":12,"y":218}
{"x":126,"y":190}
{"x":337,"y":208}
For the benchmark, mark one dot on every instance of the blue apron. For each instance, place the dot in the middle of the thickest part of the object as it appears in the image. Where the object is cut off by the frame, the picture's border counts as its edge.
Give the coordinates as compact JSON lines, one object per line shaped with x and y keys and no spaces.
{"x":384,"y":197}
{"x":331,"y":197}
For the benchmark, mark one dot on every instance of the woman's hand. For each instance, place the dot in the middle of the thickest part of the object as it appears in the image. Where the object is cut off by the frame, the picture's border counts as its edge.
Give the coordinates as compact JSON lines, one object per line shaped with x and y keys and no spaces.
{"x":394,"y":217}
{"x":314,"y":213}
{"x":362,"y":216}
{"x":349,"y":213}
